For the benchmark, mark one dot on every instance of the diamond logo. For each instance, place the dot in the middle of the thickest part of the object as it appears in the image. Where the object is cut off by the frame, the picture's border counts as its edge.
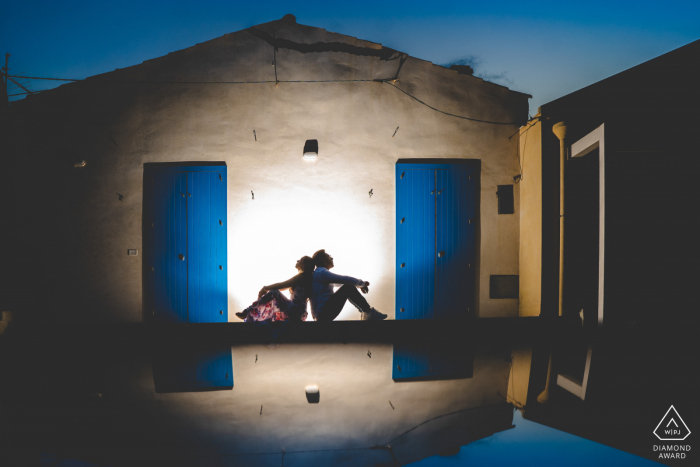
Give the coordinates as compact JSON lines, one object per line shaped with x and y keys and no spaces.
{"x":671,"y":427}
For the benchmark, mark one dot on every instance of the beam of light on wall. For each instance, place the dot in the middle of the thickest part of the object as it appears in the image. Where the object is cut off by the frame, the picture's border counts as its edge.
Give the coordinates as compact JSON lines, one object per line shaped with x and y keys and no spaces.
{"x":268,"y":235}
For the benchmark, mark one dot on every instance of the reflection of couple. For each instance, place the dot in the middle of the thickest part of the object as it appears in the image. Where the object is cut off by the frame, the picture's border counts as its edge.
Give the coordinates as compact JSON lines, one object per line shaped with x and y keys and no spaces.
{"x":316,"y":285}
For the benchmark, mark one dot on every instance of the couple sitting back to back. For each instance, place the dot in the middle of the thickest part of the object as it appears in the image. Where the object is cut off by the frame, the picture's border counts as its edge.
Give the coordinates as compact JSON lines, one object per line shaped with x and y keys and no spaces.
{"x":315,"y":285}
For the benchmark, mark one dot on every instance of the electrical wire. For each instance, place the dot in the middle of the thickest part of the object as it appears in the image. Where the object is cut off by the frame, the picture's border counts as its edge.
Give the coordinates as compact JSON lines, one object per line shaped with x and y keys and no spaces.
{"x":384,"y":81}
{"x":447,"y":113}
{"x":521,"y":161}
{"x":530,"y":122}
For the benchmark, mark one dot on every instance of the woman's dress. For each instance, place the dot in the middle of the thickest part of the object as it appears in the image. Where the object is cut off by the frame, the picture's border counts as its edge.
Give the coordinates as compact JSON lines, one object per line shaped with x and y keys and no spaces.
{"x":274,"y":306}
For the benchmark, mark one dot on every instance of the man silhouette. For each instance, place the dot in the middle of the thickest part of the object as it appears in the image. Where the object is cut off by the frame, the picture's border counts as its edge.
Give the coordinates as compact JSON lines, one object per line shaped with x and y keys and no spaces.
{"x":326,"y":305}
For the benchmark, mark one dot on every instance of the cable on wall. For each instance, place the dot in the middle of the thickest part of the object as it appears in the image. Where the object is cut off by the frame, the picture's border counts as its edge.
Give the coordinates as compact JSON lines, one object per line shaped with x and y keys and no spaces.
{"x":447,"y":113}
{"x":384,"y":81}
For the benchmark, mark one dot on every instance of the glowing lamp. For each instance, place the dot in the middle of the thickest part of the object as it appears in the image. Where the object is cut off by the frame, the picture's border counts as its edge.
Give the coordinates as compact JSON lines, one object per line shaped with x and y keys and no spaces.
{"x":311,"y":150}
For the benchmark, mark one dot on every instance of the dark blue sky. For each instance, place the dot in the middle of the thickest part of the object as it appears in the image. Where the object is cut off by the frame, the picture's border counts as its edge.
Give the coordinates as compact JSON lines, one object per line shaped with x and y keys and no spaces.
{"x":546,"y":49}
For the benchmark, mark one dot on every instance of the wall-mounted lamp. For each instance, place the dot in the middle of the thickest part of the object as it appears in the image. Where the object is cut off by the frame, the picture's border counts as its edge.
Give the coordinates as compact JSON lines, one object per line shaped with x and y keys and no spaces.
{"x":312,"y":394}
{"x":311,"y":149}
{"x":80,"y":164}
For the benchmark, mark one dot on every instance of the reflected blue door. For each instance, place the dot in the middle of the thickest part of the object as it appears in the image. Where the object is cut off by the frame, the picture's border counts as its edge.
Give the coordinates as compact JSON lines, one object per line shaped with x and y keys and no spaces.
{"x":435,"y":262}
{"x":185,"y":267}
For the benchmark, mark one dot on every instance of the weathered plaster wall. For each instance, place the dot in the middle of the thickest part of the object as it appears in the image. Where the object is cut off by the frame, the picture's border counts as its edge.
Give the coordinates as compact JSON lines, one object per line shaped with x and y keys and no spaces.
{"x":530,"y":251}
{"x":299,"y":207}
{"x":531,"y":219}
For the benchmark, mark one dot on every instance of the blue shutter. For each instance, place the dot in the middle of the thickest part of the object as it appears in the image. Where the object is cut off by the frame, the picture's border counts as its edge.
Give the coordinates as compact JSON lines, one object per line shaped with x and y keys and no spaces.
{"x":411,"y":361}
{"x":168,"y":240}
{"x":432,"y":360}
{"x":207,"y":274}
{"x":455,"y":243}
{"x":212,"y":368}
{"x":189,"y":367}
{"x":185,"y":214}
{"x":435,"y":253}
{"x":415,"y":243}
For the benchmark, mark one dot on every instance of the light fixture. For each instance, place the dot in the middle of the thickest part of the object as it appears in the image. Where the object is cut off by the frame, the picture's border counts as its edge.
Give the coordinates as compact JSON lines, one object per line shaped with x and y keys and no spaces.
{"x":311,"y":149}
{"x":312,"y":394}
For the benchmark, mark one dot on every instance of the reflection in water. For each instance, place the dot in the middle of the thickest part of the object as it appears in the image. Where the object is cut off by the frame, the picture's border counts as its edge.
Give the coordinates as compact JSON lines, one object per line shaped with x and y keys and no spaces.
{"x":532,"y":444}
{"x":93,"y":399}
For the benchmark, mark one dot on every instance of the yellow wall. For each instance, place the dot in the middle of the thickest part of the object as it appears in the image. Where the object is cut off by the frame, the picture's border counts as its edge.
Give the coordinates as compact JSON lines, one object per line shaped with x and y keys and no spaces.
{"x":530,"y":270}
{"x":530,"y":151}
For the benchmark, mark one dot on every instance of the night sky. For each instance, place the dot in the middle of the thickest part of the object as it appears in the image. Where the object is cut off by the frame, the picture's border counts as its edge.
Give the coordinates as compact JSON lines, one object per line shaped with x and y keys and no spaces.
{"x":547,"y":49}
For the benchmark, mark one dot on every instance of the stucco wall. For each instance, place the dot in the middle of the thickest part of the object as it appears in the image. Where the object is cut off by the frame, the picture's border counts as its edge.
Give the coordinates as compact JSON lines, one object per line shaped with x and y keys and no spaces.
{"x":116,"y":126}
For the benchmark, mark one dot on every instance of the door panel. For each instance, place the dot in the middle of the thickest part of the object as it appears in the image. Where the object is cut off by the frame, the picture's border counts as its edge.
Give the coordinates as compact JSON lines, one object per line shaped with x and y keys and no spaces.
{"x":430,"y":360}
{"x":455,"y":243}
{"x":415,"y":256}
{"x":213,"y":367}
{"x":411,"y":361}
{"x":207,"y":281}
{"x":192,"y":367}
{"x":169,"y":273}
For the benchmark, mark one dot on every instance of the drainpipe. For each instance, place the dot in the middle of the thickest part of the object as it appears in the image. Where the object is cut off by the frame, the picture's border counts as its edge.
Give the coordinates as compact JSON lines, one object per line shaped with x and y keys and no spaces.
{"x":559,"y":129}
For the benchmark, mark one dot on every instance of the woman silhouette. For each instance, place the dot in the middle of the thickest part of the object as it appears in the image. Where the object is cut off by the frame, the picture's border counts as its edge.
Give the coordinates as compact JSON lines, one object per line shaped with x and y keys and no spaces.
{"x":271,"y":305}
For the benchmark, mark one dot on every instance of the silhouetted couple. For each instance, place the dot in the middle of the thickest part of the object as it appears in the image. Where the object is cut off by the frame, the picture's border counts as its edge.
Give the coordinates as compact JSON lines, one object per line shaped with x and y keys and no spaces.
{"x":314,"y":282}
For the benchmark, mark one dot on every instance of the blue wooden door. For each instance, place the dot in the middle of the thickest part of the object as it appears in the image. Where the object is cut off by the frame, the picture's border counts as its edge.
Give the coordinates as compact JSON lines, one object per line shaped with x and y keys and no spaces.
{"x":185,"y":269}
{"x":435,"y":262}
{"x":185,"y":240}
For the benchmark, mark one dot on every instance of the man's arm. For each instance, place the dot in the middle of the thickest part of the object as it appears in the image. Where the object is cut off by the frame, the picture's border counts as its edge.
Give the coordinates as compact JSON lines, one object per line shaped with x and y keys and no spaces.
{"x":328,"y":277}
